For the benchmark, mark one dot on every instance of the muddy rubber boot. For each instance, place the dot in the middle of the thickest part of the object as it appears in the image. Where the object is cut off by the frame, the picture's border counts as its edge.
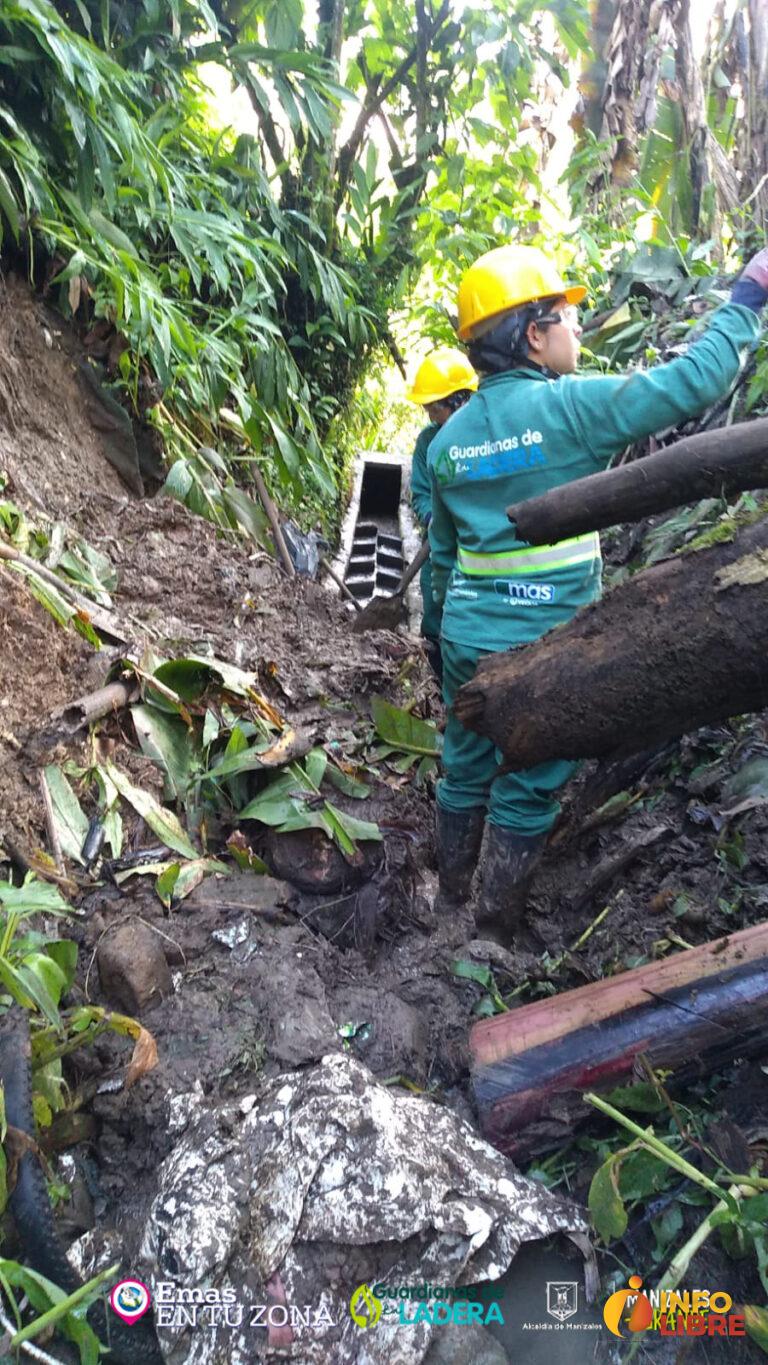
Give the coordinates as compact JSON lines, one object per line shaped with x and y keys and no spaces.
{"x":509,"y":863}
{"x":459,"y":836}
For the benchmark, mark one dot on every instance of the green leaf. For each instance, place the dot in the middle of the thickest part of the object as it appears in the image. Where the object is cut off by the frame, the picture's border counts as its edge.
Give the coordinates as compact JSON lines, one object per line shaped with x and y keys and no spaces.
{"x":643,"y":1174}
{"x":167,"y":741}
{"x":28,"y":990}
{"x":642,"y":1097}
{"x":71,"y":823}
{"x":185,"y":677}
{"x":9,"y":206}
{"x":34,"y":897}
{"x":191,"y":676}
{"x":756,"y":1323}
{"x":243,"y":854}
{"x":3,"y":1182}
{"x":474,"y":971}
{"x":163,"y":822}
{"x":46,"y":971}
{"x":315,"y":765}
{"x":605,"y":1203}
{"x":109,"y":232}
{"x":350,"y":786}
{"x":64,"y":953}
{"x":211,"y":728}
{"x":248,"y":515}
{"x":666,"y":1228}
{"x":113,"y":831}
{"x":166,"y":882}
{"x":276,"y":810}
{"x":404,"y":731}
{"x":179,"y":879}
{"x":246,"y":761}
{"x":347,"y":829}
{"x":235,"y":680}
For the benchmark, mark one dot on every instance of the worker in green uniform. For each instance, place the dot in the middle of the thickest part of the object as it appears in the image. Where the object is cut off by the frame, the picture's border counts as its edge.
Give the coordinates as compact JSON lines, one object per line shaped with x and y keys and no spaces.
{"x":532,"y":425}
{"x":442,"y":384}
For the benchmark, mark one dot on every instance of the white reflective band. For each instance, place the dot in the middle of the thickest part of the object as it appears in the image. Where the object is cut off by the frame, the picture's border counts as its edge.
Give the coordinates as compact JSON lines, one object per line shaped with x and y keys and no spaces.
{"x":541,"y":559}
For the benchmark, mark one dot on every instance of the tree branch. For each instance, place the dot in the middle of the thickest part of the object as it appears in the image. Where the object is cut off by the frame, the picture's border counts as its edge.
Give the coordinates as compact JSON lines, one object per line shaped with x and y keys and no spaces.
{"x":395,"y":352}
{"x":375,"y":98}
{"x":422,"y":48}
{"x":266,"y":127}
{"x":395,"y":154}
{"x":330,"y":25}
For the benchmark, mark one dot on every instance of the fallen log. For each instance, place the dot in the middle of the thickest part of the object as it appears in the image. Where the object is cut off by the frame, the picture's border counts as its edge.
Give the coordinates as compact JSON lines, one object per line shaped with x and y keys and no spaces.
{"x":100,"y":619}
{"x":711,"y":464}
{"x":65,"y":723}
{"x":274,"y":521}
{"x":677,"y":646}
{"x":688,"y":1014}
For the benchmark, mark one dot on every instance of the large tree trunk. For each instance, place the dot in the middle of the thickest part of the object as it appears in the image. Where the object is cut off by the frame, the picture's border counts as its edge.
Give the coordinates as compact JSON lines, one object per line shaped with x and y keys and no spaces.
{"x":688,"y":1015}
{"x":712,"y":464}
{"x":680,"y":645}
{"x":640,"y":33}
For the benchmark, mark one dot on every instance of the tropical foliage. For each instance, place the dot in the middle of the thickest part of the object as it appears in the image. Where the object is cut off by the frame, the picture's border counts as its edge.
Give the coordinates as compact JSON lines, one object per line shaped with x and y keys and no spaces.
{"x":245,"y":281}
{"x":253,"y":273}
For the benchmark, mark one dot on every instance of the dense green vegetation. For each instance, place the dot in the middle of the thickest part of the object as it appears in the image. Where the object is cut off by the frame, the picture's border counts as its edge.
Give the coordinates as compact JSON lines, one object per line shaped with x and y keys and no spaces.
{"x":254,"y":277}
{"x":255,"y":283}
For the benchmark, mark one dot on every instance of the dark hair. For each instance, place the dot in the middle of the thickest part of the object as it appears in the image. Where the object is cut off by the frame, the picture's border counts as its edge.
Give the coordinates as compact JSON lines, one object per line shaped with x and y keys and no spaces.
{"x":456,"y":400}
{"x":505,"y":347}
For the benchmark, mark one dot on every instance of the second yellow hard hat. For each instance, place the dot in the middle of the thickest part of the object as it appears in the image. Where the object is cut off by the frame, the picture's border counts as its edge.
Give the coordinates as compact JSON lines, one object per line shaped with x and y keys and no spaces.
{"x":505,"y":278}
{"x":441,"y":373}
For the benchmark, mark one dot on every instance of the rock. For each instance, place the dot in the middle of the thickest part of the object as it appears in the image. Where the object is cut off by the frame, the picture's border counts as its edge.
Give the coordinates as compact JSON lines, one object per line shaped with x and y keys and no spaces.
{"x":241,"y":891}
{"x":132,"y":967}
{"x":310,"y":860}
{"x":470,"y":1345}
{"x":397,"y":1039}
{"x":331,"y":1181}
{"x":300,"y":1025}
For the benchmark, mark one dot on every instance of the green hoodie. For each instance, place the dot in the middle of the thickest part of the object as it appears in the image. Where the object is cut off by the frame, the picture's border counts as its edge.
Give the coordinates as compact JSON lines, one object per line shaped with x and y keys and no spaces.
{"x":522,"y":434}
{"x":421,"y":488}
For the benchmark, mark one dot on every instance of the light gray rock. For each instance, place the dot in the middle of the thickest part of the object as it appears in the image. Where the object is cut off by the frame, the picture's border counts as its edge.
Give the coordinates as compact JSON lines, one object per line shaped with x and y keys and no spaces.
{"x":327,"y":1182}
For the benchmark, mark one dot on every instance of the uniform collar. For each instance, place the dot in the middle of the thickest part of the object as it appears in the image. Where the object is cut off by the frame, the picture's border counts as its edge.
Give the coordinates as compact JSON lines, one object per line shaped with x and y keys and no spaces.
{"x":523,"y":372}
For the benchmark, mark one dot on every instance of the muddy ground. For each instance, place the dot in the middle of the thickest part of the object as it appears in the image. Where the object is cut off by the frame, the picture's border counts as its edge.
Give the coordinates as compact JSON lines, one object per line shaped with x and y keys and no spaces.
{"x":270,"y":978}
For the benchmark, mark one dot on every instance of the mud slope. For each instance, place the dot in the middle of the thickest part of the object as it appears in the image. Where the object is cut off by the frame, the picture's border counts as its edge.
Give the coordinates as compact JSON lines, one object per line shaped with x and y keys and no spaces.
{"x":269,"y":980}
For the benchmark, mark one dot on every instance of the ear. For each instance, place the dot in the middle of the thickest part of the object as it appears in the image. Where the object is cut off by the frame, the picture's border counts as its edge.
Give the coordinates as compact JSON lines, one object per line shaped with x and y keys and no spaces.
{"x":535,"y":337}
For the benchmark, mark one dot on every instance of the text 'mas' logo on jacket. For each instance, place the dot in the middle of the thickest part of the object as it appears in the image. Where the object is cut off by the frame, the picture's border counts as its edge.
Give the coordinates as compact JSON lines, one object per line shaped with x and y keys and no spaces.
{"x":527,"y":594}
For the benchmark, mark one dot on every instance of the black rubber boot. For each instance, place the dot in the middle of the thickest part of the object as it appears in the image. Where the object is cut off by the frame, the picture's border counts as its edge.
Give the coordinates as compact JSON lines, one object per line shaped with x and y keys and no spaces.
{"x":434,"y":656}
{"x":459,"y":836}
{"x":508,"y":866}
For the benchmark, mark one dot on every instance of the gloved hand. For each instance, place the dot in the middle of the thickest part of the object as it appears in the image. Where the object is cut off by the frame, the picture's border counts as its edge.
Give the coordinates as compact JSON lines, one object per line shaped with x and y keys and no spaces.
{"x":751,"y":288}
{"x":757,"y":269}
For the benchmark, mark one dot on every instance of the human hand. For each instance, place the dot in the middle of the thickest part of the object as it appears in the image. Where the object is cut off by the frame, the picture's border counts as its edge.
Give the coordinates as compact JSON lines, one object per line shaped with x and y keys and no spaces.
{"x":757,"y":269}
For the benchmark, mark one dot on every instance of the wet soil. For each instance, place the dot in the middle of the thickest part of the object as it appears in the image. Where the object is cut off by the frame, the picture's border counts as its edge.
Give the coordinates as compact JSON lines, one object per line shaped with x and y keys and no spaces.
{"x":51,"y":451}
{"x":42,"y":667}
{"x":267,"y":978}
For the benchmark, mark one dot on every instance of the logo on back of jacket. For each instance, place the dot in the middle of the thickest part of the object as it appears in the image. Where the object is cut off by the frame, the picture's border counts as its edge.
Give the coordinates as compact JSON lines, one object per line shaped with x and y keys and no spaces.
{"x":524,"y":594}
{"x":489,"y":459}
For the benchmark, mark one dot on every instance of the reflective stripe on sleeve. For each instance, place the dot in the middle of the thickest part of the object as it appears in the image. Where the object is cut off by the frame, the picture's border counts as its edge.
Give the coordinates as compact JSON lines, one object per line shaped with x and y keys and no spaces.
{"x":538,"y":559}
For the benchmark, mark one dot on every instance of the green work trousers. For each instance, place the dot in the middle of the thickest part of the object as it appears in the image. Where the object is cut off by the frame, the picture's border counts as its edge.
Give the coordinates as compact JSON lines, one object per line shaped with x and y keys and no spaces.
{"x":524,"y":801}
{"x":431,"y":613}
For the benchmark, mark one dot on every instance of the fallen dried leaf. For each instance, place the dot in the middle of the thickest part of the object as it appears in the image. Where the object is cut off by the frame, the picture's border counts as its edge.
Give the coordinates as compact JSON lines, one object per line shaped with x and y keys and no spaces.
{"x":143,"y":1058}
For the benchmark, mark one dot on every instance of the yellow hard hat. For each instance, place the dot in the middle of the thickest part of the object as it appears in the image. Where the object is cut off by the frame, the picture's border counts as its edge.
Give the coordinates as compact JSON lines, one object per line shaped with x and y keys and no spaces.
{"x":505,"y":278}
{"x":441,"y":373}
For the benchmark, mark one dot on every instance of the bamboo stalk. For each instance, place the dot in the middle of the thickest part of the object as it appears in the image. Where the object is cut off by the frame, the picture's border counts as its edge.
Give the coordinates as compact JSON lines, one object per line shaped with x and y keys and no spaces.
{"x":665,"y":1153}
{"x":340,"y":584}
{"x":50,"y":820}
{"x":100,"y":618}
{"x":273,"y":519}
